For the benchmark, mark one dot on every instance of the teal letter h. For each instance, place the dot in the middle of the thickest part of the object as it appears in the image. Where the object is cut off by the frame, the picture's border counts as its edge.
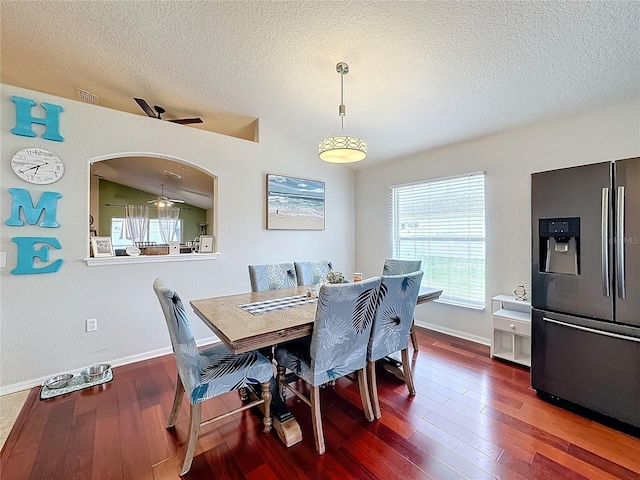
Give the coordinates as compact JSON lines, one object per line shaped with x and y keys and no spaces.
{"x":24,"y":119}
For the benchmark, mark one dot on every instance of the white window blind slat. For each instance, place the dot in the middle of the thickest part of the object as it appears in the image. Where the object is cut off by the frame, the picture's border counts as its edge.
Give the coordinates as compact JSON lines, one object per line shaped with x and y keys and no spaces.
{"x":442,"y":223}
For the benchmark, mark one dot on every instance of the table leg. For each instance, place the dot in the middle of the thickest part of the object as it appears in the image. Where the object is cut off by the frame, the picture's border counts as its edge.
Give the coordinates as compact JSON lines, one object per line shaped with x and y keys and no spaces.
{"x":392,"y":365}
{"x":284,"y":422}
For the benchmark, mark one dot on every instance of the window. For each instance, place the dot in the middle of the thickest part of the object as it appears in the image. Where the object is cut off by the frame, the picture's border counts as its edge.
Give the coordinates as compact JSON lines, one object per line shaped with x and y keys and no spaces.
{"x":441,"y":222}
{"x":153,"y":233}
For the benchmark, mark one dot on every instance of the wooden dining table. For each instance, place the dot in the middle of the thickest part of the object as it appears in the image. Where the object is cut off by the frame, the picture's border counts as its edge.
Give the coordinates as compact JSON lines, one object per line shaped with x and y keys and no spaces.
{"x":242,"y":331}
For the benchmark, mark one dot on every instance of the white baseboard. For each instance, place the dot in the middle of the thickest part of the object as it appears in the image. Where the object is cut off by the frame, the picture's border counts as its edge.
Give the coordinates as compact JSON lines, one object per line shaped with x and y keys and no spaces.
{"x":455,"y":333}
{"x":27,"y":384}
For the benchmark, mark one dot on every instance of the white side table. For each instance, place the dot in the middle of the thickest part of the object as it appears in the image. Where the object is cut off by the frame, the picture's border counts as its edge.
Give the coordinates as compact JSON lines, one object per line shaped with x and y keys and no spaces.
{"x":511,"y":332}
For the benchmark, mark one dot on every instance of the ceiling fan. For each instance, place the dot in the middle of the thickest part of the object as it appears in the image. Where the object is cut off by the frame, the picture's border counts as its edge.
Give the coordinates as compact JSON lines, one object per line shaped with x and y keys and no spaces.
{"x":159,"y":111}
{"x":162,"y":202}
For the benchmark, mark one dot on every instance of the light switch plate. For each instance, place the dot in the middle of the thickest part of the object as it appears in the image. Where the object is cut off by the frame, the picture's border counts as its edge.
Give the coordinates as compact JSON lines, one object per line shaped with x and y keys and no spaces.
{"x":3,"y":259}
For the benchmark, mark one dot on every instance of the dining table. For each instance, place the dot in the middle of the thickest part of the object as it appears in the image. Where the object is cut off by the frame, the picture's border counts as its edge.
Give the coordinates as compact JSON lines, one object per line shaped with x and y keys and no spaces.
{"x":251,"y":321}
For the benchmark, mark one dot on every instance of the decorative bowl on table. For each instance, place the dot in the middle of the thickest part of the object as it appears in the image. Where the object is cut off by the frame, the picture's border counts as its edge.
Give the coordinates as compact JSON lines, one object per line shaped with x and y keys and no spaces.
{"x":95,"y":372}
{"x":59,"y":381}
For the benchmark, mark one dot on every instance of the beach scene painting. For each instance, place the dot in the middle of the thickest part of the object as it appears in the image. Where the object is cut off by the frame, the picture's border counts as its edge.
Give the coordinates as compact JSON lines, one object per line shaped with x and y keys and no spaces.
{"x":294,"y":203}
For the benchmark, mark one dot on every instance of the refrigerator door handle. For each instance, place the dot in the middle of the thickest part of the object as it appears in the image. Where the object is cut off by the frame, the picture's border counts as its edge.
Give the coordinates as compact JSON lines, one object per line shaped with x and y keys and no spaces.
{"x":592,"y":330}
{"x":604,"y":233}
{"x":621,"y":283}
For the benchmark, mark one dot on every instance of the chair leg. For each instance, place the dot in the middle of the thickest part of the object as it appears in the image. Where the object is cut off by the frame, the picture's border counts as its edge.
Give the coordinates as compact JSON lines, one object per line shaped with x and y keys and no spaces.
{"x":266,"y":396}
{"x":373,"y":389}
{"x":414,"y":337}
{"x":317,"y":419}
{"x":280,"y":379}
{"x":408,"y":374}
{"x":192,"y":440}
{"x":177,"y":402}
{"x":364,"y":394}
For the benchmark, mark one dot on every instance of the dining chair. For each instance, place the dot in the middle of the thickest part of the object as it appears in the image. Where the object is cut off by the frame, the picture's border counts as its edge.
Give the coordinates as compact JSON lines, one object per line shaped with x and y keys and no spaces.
{"x":312,"y":273}
{"x":207,"y":373}
{"x":391,"y":325}
{"x":393,"y":266}
{"x":337,"y":346}
{"x":272,"y":276}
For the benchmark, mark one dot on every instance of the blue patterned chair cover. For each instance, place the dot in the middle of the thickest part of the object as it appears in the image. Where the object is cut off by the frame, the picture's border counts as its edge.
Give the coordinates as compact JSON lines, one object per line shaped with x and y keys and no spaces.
{"x":203,"y":374}
{"x":394,"y":266}
{"x":272,"y":276}
{"x":398,"y":296}
{"x":312,"y":273}
{"x":391,"y":328}
{"x":337,"y":346}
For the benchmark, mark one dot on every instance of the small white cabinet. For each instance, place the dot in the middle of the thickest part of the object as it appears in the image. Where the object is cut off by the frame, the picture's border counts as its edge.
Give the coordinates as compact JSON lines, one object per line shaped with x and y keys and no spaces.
{"x":511,"y":329}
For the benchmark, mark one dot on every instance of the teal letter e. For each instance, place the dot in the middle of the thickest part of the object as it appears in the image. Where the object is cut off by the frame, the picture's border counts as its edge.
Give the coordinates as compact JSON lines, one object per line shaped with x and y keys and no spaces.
{"x":27,"y":252}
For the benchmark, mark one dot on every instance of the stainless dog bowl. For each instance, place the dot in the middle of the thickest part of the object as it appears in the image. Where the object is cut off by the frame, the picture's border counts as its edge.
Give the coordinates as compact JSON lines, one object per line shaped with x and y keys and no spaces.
{"x":59,"y":381}
{"x":95,"y":372}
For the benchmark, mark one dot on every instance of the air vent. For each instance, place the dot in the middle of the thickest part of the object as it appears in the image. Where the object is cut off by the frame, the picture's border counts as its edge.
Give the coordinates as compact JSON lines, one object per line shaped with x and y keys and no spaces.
{"x":171,"y":174}
{"x":87,"y":97}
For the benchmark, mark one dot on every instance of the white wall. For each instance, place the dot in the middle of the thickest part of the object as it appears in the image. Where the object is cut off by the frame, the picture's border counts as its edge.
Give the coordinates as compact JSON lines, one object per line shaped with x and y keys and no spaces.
{"x":42,"y":316}
{"x":508,"y":160}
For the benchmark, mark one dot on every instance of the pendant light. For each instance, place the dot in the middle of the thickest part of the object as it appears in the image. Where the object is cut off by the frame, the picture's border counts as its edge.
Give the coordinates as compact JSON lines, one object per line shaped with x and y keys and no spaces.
{"x":343,"y":148}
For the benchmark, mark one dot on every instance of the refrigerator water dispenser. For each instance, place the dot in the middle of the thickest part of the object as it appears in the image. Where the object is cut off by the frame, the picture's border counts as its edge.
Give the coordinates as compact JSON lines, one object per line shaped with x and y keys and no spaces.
{"x":560,"y":245}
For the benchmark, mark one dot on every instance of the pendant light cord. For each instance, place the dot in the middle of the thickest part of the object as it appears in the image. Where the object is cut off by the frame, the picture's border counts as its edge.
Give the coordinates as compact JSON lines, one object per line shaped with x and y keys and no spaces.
{"x":342,"y":110}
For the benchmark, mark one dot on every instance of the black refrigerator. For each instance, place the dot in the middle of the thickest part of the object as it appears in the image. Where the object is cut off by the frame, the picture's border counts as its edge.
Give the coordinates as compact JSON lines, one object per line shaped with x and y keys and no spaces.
{"x":586,"y":287}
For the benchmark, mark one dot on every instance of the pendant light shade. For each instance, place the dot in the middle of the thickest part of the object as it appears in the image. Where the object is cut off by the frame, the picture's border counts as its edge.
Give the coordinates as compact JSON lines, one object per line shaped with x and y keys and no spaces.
{"x":342,"y":148}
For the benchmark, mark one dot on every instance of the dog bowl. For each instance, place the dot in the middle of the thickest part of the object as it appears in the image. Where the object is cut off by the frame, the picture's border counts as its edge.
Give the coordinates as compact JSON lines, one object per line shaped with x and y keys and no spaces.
{"x":95,"y":372}
{"x":59,"y":381}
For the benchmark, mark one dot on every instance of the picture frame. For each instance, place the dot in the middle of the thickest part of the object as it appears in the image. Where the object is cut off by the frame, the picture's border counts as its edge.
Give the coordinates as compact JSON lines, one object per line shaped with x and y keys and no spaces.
{"x":174,"y":248}
{"x":295,"y":203}
{"x":102,"y":247}
{"x":206,"y":243}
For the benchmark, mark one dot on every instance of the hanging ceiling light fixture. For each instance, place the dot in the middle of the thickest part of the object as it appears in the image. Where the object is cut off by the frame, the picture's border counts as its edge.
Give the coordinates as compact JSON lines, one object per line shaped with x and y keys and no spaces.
{"x":343,"y":148}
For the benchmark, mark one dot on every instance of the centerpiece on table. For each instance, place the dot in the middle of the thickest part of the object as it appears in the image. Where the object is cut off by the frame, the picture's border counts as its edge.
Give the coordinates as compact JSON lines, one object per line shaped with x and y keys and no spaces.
{"x":334,"y":276}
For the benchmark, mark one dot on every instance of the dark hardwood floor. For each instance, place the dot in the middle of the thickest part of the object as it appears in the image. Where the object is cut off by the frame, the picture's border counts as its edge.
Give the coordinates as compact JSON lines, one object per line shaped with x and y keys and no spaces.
{"x":473,"y":418}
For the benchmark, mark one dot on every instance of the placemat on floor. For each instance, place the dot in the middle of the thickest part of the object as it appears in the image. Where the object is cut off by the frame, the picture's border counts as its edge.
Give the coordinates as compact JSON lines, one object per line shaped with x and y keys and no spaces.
{"x":76,"y":383}
{"x":256,"y":308}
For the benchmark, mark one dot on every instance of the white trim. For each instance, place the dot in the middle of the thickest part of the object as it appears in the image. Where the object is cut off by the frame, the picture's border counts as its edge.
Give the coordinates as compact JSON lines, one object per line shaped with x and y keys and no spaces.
{"x":124,"y":260}
{"x":462,"y":175}
{"x":455,"y":333}
{"x":36,"y":382}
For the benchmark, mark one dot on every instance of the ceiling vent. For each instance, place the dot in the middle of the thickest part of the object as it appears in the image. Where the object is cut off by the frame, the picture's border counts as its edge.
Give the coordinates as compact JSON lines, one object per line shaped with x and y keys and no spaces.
{"x":87,"y":97}
{"x":171,"y":174}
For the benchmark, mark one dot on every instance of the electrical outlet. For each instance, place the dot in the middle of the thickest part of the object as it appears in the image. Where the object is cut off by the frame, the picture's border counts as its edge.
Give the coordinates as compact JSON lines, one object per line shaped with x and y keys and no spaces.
{"x":91,"y":324}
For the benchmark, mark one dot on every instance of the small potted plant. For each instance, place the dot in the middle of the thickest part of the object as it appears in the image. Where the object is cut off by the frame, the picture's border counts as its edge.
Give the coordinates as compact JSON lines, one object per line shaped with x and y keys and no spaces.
{"x":335,"y":276}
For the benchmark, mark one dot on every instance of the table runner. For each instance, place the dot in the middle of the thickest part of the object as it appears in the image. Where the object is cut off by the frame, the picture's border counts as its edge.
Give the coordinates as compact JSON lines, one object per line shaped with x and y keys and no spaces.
{"x":256,"y":308}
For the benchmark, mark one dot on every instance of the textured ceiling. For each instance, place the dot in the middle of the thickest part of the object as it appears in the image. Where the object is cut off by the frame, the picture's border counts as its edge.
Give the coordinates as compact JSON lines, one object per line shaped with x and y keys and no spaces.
{"x":423,"y":74}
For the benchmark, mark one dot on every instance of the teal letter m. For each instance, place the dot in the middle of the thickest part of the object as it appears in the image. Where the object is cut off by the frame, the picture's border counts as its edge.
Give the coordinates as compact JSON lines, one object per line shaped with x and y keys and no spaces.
{"x":22,"y":198}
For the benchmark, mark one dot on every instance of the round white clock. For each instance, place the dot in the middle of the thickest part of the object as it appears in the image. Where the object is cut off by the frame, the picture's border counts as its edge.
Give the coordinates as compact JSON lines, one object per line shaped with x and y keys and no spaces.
{"x":36,"y":165}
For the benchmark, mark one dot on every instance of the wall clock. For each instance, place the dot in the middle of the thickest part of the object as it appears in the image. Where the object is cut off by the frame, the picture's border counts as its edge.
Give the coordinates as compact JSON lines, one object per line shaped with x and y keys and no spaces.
{"x":38,"y":166}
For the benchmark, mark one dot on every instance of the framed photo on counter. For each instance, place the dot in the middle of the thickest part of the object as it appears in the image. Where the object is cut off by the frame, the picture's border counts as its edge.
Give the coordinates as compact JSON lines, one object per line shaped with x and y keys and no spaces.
{"x":102,"y":247}
{"x":206,"y":243}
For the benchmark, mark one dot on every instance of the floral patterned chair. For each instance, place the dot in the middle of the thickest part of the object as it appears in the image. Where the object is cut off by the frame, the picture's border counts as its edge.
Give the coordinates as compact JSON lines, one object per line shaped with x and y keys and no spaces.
{"x":337,"y":346}
{"x":272,"y":276}
{"x":207,"y":373}
{"x":390,"y":332}
{"x":312,"y":273}
{"x":393,"y":266}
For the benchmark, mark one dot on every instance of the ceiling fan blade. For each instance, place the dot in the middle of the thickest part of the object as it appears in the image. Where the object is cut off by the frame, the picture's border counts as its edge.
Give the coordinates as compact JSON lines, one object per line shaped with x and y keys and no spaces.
{"x":145,"y":106}
{"x":176,"y":201}
{"x":185,"y":121}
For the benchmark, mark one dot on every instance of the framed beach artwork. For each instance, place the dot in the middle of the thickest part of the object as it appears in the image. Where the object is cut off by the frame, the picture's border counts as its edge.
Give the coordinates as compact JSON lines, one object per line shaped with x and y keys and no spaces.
{"x":294,"y":203}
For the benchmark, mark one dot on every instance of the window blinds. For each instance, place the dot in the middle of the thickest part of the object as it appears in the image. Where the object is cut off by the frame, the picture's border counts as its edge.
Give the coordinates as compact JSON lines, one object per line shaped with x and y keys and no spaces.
{"x":441,"y":222}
